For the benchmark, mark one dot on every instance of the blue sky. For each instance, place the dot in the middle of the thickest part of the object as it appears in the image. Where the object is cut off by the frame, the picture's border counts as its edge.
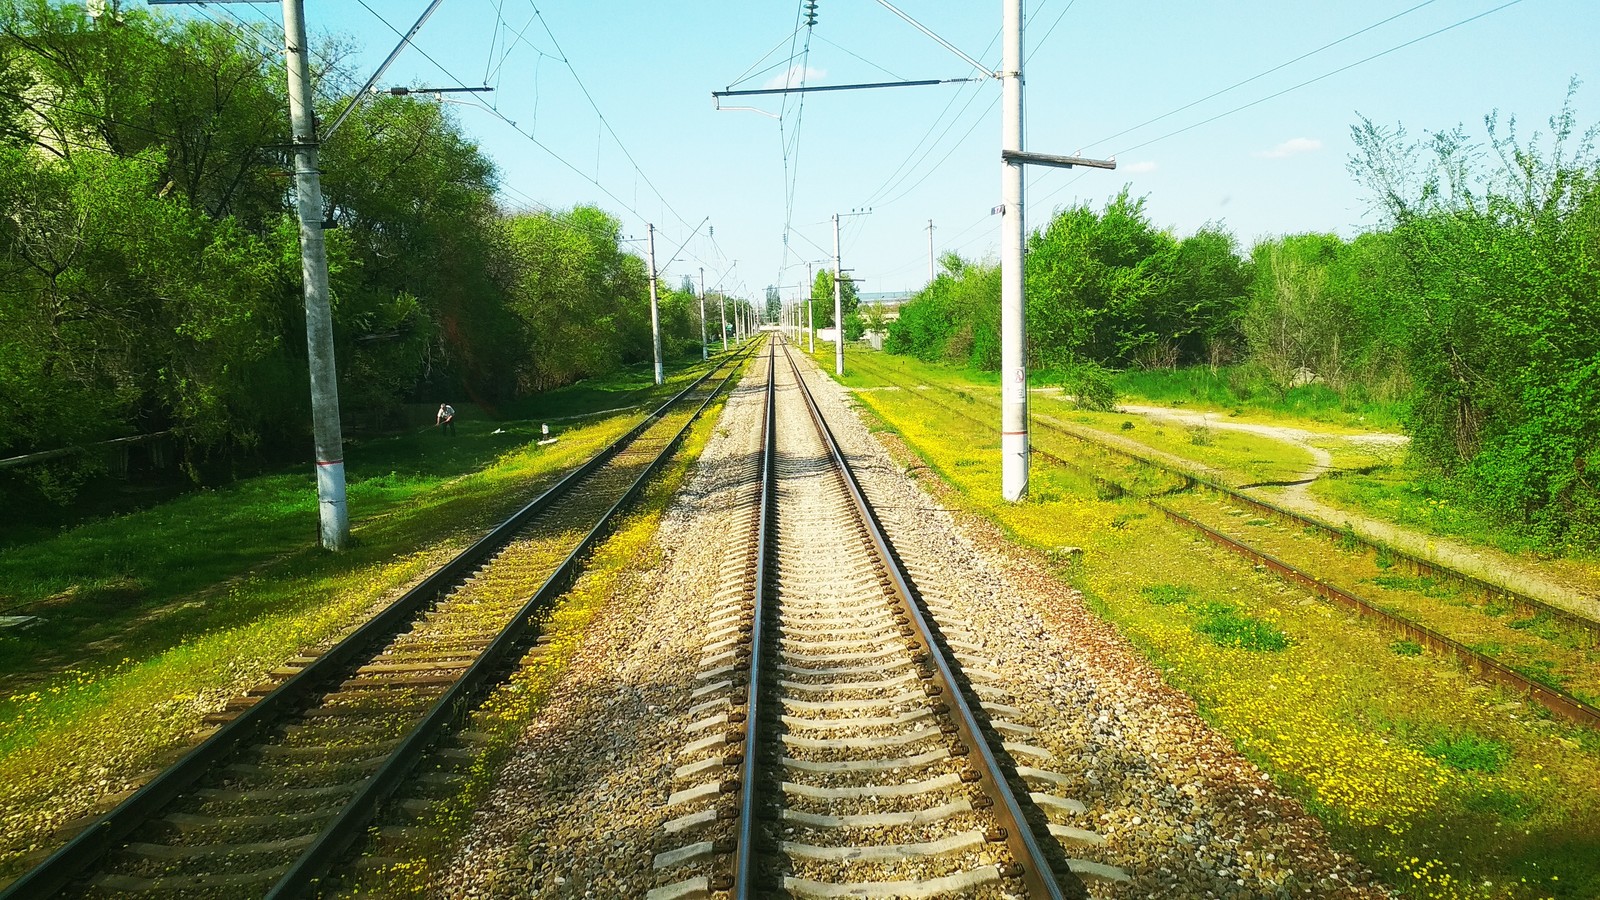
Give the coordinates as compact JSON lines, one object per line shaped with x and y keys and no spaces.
{"x":1097,"y":69}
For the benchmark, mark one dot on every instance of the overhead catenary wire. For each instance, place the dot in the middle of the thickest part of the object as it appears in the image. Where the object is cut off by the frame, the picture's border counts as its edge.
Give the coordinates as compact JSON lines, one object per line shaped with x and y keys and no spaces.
{"x":1310,"y":81}
{"x":1262,"y":74}
{"x":475,"y":101}
{"x":567,"y":61}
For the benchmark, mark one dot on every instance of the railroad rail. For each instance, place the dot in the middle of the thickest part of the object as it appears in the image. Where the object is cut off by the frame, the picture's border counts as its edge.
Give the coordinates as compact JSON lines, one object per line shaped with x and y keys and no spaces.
{"x":869,"y":753}
{"x":1552,"y":698}
{"x":266,"y":804}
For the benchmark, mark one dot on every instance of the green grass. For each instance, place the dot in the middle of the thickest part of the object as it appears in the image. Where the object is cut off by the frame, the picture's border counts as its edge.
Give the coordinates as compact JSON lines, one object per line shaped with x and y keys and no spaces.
{"x":1247,"y":458}
{"x":1227,"y":627}
{"x":1406,"y":647}
{"x":1235,"y":389}
{"x":1469,"y":752}
{"x":1168,"y":594}
{"x":1426,"y":585}
{"x":1405,"y":495}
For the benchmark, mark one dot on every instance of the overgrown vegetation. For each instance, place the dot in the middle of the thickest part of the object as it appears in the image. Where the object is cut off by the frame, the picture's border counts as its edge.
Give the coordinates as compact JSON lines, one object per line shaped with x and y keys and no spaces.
{"x":149,"y":263}
{"x":1465,"y":314}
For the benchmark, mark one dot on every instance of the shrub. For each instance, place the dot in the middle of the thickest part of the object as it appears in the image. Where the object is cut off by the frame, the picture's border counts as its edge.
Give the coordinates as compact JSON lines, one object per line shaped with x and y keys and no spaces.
{"x":1090,"y":385}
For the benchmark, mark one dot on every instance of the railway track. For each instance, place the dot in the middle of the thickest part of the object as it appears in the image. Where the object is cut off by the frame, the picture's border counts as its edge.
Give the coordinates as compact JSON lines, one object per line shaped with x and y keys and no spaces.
{"x":847,"y":739}
{"x":1485,"y":666}
{"x":267,"y":804}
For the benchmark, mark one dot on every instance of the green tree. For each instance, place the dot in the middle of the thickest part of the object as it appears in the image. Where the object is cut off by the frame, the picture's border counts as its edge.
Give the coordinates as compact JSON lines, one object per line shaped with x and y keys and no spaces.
{"x":822,"y":292}
{"x":1489,"y":279}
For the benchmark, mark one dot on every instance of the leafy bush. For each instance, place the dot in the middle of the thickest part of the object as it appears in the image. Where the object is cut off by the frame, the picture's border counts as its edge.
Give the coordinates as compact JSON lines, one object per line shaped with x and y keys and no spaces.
{"x":1090,"y":385}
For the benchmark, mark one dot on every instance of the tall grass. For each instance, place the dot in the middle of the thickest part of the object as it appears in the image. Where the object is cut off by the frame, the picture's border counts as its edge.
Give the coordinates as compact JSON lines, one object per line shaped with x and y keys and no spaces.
{"x":1247,"y":389}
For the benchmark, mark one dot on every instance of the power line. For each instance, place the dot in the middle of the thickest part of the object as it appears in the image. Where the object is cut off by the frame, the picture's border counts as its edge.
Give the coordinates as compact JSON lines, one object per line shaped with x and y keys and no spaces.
{"x":922,"y":148}
{"x":1325,"y":75}
{"x":1052,"y":29}
{"x":475,"y":101}
{"x":748,"y":72}
{"x":1263,"y":74}
{"x":1309,"y":81}
{"x":604,"y":121}
{"x":894,"y":75}
{"x":951,"y":152}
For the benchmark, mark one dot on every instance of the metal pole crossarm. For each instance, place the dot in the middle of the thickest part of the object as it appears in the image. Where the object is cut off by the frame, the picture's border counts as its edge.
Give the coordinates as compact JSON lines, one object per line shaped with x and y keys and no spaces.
{"x":1050,"y":159}
{"x":988,"y":73}
{"x":819,"y":88}
{"x":403,"y":92}
{"x":393,"y":54}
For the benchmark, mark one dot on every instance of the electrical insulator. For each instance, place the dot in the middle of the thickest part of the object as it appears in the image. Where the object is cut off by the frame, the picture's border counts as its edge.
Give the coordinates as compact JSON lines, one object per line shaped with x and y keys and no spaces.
{"x":811,"y":13}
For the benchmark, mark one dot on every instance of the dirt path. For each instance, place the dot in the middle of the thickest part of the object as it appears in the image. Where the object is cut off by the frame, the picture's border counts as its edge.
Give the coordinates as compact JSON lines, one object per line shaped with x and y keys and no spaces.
{"x":1490,"y":564}
{"x":1321,"y":460}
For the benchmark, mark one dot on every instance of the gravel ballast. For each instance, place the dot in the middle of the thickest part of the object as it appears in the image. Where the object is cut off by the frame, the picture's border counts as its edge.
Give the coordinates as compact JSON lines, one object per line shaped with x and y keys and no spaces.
{"x":578,"y":810}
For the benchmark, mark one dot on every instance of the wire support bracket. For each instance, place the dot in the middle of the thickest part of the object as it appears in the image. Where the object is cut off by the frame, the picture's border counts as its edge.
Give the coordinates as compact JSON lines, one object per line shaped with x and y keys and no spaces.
{"x":1059,"y":162}
{"x":716,"y":96}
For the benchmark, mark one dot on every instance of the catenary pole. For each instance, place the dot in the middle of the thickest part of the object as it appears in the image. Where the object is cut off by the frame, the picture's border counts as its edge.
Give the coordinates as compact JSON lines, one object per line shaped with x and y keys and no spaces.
{"x":333,"y":512}
{"x":1013,"y":325}
{"x":811,"y":309}
{"x":705,"y":351}
{"x":838,"y":304}
{"x":655,"y":315}
{"x":930,"y":252}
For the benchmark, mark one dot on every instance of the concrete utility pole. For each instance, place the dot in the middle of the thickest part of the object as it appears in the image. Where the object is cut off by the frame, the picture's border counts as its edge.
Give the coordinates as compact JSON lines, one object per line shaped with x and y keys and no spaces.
{"x":931,"y":276}
{"x":655,"y":315}
{"x":705,"y":352}
{"x":1013,"y":324}
{"x":333,"y":511}
{"x":811,"y":312}
{"x":838,"y":303}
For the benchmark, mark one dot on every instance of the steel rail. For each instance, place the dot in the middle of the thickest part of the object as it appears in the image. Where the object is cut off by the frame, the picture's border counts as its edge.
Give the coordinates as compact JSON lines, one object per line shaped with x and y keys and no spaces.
{"x":58,"y":870}
{"x":1028,"y":855}
{"x":351,"y":821}
{"x":744,"y":865}
{"x":1552,"y":698}
{"x":1419,"y":565}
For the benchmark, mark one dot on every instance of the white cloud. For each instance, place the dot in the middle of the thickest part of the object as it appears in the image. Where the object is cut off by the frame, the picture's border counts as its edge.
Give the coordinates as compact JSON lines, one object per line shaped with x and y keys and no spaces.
{"x":795,"y":76}
{"x":1291,"y":147}
{"x":1139,"y":168}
